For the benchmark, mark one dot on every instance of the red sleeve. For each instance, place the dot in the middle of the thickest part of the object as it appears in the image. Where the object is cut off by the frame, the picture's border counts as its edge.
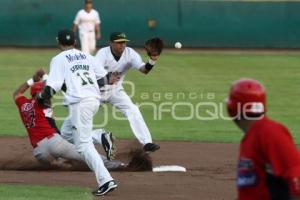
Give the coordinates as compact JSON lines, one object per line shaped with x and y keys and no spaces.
{"x":21,"y":100}
{"x":281,"y":152}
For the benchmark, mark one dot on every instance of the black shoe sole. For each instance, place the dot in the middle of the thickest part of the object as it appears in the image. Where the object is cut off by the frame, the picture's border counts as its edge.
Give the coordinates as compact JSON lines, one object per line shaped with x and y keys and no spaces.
{"x":152,"y":149}
{"x":105,"y":192}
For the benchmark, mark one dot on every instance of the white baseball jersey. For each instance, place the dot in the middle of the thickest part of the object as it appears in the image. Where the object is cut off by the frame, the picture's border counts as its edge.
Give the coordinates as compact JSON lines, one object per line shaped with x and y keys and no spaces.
{"x":85,"y":21}
{"x":118,"y":98}
{"x":77,"y":70}
{"x":129,"y":59}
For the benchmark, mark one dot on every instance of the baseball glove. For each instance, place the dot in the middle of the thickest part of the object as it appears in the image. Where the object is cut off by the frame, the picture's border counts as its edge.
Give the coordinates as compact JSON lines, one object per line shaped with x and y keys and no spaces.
{"x":154,"y":46}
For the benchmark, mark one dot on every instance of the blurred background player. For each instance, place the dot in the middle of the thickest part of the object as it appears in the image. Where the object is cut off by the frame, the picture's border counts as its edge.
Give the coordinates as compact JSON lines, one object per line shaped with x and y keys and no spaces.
{"x":88,"y":21}
{"x":269,"y":162}
{"x":49,"y":146}
{"x":77,"y":71}
{"x":119,"y":58}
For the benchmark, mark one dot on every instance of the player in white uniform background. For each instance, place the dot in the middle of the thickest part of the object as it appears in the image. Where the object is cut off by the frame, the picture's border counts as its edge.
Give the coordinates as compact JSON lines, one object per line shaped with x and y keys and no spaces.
{"x":119,"y":58}
{"x":88,"y":22}
{"x":77,"y":70}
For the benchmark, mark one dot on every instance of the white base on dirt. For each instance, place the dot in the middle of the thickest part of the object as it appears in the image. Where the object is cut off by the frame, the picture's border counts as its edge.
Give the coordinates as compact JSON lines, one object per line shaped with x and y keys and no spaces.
{"x":169,"y":168}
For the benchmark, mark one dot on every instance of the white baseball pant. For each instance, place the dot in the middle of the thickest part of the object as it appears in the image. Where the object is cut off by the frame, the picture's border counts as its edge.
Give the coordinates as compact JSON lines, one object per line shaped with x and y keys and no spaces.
{"x":66,"y":132}
{"x":88,"y":42}
{"x":119,"y":99}
{"x":81,"y":115}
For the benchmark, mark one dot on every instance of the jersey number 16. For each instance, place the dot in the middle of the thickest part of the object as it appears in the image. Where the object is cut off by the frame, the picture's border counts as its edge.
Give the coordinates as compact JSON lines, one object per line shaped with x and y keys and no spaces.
{"x":85,"y":78}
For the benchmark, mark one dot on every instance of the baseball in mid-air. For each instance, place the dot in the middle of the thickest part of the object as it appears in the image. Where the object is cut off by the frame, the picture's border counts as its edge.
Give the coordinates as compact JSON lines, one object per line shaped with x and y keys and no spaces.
{"x":178,"y":45}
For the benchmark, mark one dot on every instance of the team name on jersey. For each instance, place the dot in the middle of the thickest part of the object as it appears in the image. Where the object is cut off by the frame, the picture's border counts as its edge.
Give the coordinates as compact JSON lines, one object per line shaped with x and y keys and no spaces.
{"x":80,"y":67}
{"x":246,"y":175}
{"x":73,"y":57}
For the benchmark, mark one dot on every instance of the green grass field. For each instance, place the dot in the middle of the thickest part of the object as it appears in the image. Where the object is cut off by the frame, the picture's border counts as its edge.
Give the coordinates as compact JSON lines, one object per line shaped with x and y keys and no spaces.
{"x":35,"y":192}
{"x":181,"y":85}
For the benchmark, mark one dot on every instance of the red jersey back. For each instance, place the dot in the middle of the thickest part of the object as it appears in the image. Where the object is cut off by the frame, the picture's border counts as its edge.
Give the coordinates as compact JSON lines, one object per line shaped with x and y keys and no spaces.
{"x":268,"y":156}
{"x":37,"y":120}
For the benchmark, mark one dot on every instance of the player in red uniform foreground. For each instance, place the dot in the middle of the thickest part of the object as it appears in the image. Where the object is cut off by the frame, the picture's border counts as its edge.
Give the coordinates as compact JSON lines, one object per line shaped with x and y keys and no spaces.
{"x":269,"y":162}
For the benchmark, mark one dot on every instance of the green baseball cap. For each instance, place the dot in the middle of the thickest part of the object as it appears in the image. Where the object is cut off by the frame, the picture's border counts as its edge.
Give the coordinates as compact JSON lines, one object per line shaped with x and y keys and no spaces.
{"x":118,"y":37}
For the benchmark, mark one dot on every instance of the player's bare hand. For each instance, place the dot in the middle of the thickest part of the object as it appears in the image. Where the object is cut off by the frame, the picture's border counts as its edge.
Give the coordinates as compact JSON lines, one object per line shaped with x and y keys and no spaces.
{"x":98,"y":36}
{"x":115,"y":77}
{"x":38,"y":75}
{"x":154,"y":57}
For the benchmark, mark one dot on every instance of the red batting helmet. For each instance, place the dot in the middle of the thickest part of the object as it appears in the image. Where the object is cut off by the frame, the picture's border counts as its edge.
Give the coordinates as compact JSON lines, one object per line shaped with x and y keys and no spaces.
{"x":37,"y":87}
{"x":247,"y":97}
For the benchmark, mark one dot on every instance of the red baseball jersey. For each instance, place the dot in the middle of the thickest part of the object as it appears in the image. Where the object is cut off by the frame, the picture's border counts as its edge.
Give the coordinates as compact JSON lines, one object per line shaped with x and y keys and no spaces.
{"x":37,"y":120}
{"x":268,"y":158}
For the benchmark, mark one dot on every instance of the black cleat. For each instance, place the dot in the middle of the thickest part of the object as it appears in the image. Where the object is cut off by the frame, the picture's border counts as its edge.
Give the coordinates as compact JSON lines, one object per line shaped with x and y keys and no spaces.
{"x":106,"y":188}
{"x":108,"y":145}
{"x":151,"y":147}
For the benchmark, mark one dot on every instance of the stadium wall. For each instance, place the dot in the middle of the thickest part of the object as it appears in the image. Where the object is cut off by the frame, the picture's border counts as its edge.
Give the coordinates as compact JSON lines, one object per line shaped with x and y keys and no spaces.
{"x":196,"y":23}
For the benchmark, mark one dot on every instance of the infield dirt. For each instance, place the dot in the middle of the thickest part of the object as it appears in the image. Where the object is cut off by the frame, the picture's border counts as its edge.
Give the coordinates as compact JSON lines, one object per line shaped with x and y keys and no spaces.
{"x":210,"y":171}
